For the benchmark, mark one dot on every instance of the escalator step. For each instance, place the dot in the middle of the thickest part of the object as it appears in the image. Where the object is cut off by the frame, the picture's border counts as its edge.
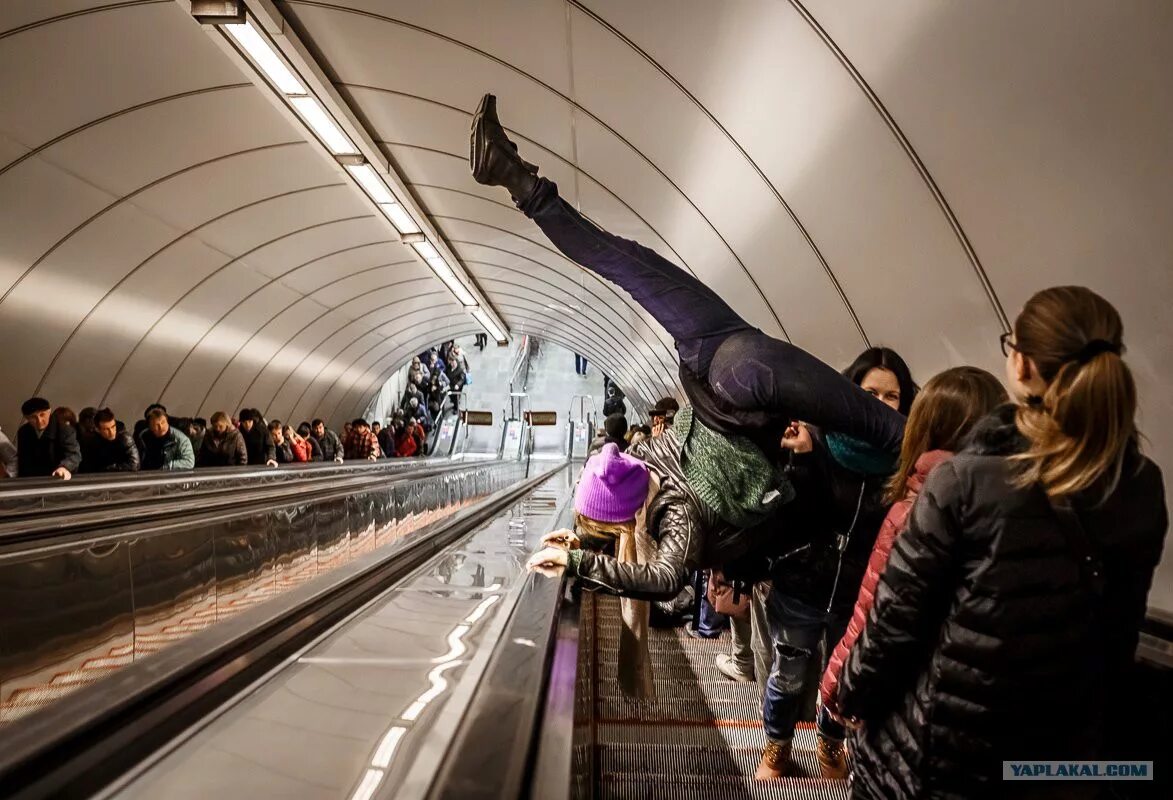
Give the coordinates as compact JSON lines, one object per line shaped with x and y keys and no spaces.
{"x":721,"y":699}
{"x":685,"y":735}
{"x":672,"y":787}
{"x":695,"y":762}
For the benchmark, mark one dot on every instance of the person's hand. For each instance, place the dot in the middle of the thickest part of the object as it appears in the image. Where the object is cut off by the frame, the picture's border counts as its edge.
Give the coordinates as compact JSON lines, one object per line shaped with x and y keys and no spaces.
{"x":564,"y":538}
{"x":337,"y":459}
{"x":62,"y":473}
{"x":797,"y":438}
{"x":658,"y":427}
{"x":548,"y":561}
{"x":372,"y":457}
{"x":270,"y":463}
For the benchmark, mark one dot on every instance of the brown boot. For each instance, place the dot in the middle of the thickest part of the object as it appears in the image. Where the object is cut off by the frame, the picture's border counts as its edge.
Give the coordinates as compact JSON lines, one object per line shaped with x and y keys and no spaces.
{"x":832,"y":757}
{"x":775,"y":761}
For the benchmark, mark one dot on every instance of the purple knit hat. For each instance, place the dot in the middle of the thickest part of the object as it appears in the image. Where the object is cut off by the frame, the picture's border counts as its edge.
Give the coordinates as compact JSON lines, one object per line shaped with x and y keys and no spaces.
{"x":613,"y":486}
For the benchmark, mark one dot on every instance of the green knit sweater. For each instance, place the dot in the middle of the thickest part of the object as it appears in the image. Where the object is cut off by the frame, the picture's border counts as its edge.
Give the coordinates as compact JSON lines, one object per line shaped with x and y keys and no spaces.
{"x":730,"y":474}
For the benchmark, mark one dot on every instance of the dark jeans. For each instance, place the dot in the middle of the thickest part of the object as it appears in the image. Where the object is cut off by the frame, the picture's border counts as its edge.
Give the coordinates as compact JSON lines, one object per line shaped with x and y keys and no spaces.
{"x":803,"y":638}
{"x":746,"y":368}
{"x":707,"y":622}
{"x":580,"y":364}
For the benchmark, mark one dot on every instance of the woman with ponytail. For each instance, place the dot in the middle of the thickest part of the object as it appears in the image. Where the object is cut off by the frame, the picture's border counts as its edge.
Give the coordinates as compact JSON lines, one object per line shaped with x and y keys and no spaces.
{"x":1006,"y":621}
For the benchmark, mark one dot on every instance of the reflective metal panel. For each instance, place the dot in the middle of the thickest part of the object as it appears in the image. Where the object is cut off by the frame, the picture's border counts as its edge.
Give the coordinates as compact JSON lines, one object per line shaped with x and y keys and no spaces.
{"x":67,"y":619}
{"x":174,"y":587}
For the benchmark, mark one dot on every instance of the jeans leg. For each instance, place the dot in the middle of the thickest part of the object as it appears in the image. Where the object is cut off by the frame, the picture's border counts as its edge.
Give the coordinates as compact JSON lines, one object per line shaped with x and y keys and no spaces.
{"x":796,"y":630}
{"x":753,"y":371}
{"x":763,"y":647}
{"x":690,"y":311}
{"x":741,"y":633}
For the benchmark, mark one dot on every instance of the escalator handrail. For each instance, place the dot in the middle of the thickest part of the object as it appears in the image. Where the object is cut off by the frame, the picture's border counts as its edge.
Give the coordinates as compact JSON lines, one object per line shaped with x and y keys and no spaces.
{"x":70,"y":523}
{"x":85,"y":740}
{"x":521,"y":718}
{"x":30,"y":489}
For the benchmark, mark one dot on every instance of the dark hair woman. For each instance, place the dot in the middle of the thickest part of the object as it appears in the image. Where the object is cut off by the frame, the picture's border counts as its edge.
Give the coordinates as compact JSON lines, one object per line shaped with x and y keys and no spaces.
{"x":882,"y":373}
{"x":1006,"y":622}
{"x":942,"y":415}
{"x":831,"y":526}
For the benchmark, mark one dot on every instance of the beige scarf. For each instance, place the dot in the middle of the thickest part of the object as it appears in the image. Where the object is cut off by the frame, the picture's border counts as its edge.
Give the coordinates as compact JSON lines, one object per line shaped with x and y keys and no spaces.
{"x":635,"y":664}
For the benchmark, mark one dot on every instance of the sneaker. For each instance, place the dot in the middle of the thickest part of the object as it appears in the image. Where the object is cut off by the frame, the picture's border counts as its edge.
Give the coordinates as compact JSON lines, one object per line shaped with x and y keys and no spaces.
{"x":731,"y":670}
{"x":695,"y":634}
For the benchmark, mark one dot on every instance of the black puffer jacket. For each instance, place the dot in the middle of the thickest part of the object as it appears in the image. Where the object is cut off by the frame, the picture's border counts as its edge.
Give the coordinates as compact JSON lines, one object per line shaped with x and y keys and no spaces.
{"x":830,"y":528}
{"x":690,"y":535}
{"x":988,"y":641}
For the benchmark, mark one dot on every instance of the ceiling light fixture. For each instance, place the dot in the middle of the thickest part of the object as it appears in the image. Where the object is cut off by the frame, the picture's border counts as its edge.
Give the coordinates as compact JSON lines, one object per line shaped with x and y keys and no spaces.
{"x":488,"y":324}
{"x":370,"y":181}
{"x":262,"y":43}
{"x":427,"y":250}
{"x":400,"y":218}
{"x":323,"y":125}
{"x":258,"y":50}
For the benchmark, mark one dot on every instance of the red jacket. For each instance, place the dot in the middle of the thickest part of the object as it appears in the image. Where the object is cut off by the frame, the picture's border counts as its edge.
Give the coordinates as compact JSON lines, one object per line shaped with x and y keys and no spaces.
{"x":302,"y":451}
{"x":893,"y":525}
{"x":405,"y":444}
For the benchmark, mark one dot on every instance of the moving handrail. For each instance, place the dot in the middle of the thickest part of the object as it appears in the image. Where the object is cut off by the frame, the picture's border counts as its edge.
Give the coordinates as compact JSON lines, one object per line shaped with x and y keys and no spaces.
{"x":521,"y":719}
{"x":29,"y":497}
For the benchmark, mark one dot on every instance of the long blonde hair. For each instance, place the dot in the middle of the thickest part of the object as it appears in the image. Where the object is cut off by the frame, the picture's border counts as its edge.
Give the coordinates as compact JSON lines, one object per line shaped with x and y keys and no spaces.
{"x":944,"y":412}
{"x":1080,"y":428}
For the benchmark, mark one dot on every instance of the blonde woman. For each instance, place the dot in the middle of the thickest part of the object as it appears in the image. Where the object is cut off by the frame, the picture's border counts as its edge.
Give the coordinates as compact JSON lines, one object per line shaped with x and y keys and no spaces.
{"x":610,"y":505}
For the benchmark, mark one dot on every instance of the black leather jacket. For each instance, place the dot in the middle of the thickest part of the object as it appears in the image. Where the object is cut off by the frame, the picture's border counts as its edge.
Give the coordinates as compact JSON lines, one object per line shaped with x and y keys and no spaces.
{"x":690,"y":534}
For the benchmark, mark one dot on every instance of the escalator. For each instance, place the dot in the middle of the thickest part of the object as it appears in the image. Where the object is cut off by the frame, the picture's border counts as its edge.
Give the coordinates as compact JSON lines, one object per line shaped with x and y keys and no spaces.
{"x":351,"y":685}
{"x":701,"y":736}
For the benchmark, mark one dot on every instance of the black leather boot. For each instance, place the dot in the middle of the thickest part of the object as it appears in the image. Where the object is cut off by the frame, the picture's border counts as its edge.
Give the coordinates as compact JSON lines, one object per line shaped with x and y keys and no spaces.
{"x":494,"y":159}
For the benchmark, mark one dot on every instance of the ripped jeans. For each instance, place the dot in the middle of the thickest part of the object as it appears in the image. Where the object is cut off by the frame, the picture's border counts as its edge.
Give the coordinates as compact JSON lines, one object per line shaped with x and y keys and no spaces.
{"x":745,"y":369}
{"x":803,"y":637}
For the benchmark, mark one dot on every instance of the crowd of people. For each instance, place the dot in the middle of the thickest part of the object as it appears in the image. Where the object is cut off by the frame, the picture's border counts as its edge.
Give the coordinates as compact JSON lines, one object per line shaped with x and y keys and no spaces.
{"x":942,"y":578}
{"x":57,"y":442}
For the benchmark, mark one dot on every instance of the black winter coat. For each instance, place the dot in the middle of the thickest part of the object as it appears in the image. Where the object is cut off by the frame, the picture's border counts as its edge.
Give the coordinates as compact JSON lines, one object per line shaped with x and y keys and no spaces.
{"x":988,"y":641}
{"x":834,"y":508}
{"x":119,"y":455}
{"x":222,"y":451}
{"x":259,"y":444}
{"x":39,"y":456}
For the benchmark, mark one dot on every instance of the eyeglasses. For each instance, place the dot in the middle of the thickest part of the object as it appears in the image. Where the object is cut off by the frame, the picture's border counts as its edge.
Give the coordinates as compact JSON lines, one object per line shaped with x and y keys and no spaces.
{"x":1007,"y":345}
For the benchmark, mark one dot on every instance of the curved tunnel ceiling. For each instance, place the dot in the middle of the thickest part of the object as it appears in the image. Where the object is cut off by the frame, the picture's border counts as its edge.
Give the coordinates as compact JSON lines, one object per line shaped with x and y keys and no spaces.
{"x":842,"y":173}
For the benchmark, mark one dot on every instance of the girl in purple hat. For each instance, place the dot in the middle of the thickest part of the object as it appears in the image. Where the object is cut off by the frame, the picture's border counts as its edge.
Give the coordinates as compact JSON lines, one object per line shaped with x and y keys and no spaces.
{"x":610,"y":505}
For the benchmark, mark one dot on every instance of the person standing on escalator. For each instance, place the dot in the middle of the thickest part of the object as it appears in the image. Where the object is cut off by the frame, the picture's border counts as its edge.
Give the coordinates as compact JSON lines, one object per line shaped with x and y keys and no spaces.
{"x":838,"y":509}
{"x":1005,"y":624}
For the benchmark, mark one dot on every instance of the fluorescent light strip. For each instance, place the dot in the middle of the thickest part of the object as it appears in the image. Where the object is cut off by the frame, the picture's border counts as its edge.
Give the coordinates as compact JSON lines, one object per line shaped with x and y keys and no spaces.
{"x":267,"y":61}
{"x":427,"y":250}
{"x":399,"y":218}
{"x":324,"y":126}
{"x":488,"y":324}
{"x":459,"y":289}
{"x":371,"y":183}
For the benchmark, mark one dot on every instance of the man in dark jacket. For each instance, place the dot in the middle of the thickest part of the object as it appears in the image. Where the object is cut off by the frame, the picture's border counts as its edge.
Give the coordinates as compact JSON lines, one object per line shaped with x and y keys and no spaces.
{"x":991,"y":639}
{"x":386,"y":437}
{"x":111,"y":449}
{"x":165,"y":447}
{"x":281,"y":448}
{"x":456,"y":380}
{"x":223,"y":446}
{"x":328,"y":441}
{"x":258,"y":442}
{"x":45,"y":447}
